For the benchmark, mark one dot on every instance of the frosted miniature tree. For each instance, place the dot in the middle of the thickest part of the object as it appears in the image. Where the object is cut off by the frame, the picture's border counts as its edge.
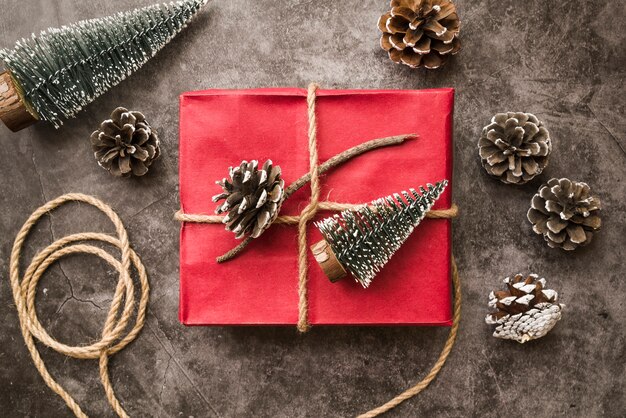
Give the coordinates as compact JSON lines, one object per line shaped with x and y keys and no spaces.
{"x":52,"y":76}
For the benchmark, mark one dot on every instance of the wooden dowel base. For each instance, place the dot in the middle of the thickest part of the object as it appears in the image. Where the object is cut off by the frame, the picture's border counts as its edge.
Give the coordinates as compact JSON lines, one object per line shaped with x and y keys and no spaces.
{"x":14,"y":111}
{"x":327,"y":260}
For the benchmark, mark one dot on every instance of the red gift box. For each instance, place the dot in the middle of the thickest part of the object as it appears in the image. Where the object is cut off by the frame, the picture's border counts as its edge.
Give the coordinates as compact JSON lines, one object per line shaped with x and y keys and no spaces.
{"x":220,"y":128}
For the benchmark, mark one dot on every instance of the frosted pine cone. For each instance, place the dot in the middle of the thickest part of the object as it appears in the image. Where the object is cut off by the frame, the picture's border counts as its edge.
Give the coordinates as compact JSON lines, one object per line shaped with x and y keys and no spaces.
{"x":125,"y":144}
{"x":565,"y":213}
{"x":420,"y":32}
{"x":525,"y":310}
{"x":252,"y":198}
{"x":514,"y":147}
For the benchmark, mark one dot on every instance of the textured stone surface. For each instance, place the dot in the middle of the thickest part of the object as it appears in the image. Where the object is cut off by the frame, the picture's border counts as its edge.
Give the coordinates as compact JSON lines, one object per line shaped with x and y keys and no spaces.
{"x":563,"y":61}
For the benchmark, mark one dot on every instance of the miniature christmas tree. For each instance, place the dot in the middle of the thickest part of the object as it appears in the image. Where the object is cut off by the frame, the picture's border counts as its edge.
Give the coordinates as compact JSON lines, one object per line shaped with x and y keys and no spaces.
{"x":362,"y":241}
{"x":52,"y":76}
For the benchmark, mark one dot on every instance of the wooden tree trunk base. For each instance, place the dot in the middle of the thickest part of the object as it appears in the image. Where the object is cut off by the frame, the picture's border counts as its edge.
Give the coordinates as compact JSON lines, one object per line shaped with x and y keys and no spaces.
{"x":327,"y":259}
{"x":14,"y":111}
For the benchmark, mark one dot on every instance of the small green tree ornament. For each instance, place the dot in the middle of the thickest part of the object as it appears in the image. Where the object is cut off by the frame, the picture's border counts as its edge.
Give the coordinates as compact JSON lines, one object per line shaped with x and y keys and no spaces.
{"x":52,"y":76}
{"x":362,"y":241}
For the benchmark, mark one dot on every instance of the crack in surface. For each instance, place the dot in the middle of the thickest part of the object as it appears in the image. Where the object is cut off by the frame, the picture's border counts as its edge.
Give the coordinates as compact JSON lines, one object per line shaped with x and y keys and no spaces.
{"x":32,"y":158}
{"x":69,"y":282}
{"x":607,"y":129}
{"x":72,"y":296}
{"x":51,"y":228}
{"x":495,"y":22}
{"x":501,"y":69}
{"x":495,"y":380}
{"x":180,"y":366}
{"x":150,"y":205}
{"x":167,"y":368}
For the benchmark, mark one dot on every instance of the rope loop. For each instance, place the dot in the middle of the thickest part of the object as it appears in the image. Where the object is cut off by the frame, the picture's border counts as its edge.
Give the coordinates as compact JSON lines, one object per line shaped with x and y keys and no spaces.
{"x":113,"y":336}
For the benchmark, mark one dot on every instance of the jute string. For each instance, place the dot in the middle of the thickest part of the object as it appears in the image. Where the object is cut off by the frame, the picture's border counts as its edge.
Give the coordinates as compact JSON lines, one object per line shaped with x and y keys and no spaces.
{"x":113,"y":337}
{"x":309,"y":212}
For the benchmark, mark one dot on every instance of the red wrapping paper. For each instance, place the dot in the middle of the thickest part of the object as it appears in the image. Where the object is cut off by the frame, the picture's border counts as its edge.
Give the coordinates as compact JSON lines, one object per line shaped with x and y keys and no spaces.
{"x":219,"y":128}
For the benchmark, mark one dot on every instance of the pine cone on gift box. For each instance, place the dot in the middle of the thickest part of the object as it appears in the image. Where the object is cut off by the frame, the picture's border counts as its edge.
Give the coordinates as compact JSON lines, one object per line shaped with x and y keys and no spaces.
{"x":125,"y":144}
{"x":252,"y":198}
{"x":565,"y":213}
{"x":514,"y":147}
{"x":420,"y":32}
{"x":525,"y":310}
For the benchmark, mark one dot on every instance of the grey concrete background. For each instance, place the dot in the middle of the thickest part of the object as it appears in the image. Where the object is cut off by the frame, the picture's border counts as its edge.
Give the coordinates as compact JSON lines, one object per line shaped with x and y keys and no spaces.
{"x":563,"y":61}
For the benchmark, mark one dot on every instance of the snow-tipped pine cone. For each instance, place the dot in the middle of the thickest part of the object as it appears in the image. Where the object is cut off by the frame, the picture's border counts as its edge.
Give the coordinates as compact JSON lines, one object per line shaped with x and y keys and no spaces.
{"x":125,"y":144}
{"x":565,"y":213}
{"x":514,"y":147}
{"x":525,"y":310}
{"x":420,"y":33}
{"x":252,"y":198}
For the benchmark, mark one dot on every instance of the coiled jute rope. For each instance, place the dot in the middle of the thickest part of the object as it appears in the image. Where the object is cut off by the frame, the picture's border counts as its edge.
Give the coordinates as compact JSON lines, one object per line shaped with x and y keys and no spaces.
{"x":114,"y":336}
{"x":309,"y":212}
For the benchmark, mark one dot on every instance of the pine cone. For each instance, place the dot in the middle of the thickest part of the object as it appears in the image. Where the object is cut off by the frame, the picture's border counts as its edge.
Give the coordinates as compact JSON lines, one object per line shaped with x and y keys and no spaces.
{"x":525,"y":311}
{"x":420,"y":32}
{"x":125,"y":144}
{"x":252,"y":198}
{"x":566,"y":213}
{"x":514,"y":147}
